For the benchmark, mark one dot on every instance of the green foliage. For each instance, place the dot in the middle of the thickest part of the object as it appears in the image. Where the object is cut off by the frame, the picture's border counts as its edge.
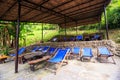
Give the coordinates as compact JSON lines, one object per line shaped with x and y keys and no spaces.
{"x":113,"y":15}
{"x":4,"y":50}
{"x":113,"y":12}
{"x":49,"y":26}
{"x":12,"y":29}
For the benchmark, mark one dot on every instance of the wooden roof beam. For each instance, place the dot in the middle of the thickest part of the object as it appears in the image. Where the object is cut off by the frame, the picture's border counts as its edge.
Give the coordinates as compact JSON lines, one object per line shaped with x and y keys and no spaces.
{"x":45,"y":1}
{"x":92,"y":10}
{"x":62,"y":4}
{"x":84,"y":18}
{"x":87,"y":7}
{"x":8,"y":9}
{"x":50,"y":10}
{"x":70,"y":7}
{"x":76,"y":5}
{"x":77,"y":12}
{"x":57,"y":7}
{"x":89,"y":11}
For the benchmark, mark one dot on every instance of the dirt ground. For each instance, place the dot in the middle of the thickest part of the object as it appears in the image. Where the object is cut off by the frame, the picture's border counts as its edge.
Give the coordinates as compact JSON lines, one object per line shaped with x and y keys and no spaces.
{"x":74,"y":70}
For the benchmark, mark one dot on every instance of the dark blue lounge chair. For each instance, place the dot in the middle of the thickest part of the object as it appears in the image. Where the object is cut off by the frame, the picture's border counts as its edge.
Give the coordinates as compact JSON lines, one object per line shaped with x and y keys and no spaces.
{"x":79,"y":37}
{"x":51,"y":50}
{"x":35,"y":49}
{"x":45,"y":49}
{"x":96,"y":37}
{"x":104,"y":52}
{"x":40,"y":48}
{"x":65,"y":39}
{"x":86,"y":53}
{"x":21,"y":50}
{"x":59,"y":57}
{"x":72,"y":38}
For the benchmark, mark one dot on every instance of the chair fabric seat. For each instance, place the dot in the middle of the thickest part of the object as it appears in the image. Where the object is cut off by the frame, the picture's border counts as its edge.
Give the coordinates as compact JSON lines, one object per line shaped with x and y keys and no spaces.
{"x":87,"y":52}
{"x":103,"y":51}
{"x":55,"y":60}
{"x":51,"y":50}
{"x":21,"y":50}
{"x":45,"y":49}
{"x":76,"y":50}
{"x":35,"y":48}
{"x":59,"y":56}
{"x":79,"y":37}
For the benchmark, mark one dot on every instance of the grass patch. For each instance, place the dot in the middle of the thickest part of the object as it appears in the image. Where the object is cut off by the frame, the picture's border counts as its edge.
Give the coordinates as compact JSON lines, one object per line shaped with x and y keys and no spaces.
{"x":49,"y":34}
{"x":37,"y":37}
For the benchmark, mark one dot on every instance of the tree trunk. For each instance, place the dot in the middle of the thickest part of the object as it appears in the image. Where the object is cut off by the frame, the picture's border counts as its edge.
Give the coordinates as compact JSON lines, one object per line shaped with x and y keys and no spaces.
{"x":4,"y":43}
{"x":7,"y":37}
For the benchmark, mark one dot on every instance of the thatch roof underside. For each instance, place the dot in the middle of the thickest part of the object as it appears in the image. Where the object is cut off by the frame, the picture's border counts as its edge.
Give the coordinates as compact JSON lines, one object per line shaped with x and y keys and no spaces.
{"x":54,"y":11}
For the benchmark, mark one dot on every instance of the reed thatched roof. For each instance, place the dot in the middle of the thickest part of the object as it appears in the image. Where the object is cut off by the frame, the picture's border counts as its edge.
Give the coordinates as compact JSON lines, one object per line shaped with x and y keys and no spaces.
{"x":54,"y":11}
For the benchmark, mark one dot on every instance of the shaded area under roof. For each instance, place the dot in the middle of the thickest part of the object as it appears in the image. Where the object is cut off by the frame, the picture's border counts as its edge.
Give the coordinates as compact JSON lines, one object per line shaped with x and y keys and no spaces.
{"x":54,"y":11}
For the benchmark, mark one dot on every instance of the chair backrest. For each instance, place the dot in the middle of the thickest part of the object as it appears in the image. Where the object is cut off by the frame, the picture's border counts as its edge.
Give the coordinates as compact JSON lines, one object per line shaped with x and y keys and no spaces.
{"x":68,"y":49}
{"x":40,"y":48}
{"x":87,"y":52}
{"x":79,"y":37}
{"x":21,"y":50}
{"x":51,"y":50}
{"x":96,"y":36}
{"x":72,"y":38}
{"x":76,"y":50}
{"x":103,"y":50}
{"x":60,"y":54}
{"x":45,"y":48}
{"x":65,"y":39}
{"x":35,"y":48}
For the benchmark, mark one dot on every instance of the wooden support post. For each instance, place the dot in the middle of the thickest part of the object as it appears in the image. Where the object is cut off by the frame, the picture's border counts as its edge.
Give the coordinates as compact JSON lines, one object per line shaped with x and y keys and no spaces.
{"x":106,"y":23}
{"x":17,"y":36}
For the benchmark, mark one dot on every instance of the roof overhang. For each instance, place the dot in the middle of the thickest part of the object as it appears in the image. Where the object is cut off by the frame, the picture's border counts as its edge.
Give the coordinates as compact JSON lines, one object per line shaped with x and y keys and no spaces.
{"x":66,"y":13}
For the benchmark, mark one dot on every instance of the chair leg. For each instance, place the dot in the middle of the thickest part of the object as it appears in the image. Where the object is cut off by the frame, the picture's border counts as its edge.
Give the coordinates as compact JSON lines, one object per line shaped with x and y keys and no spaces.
{"x":60,"y":64}
{"x":47,"y":66}
{"x":113,"y":60}
{"x":100,"y":59}
{"x":32,"y":67}
{"x":81,"y":58}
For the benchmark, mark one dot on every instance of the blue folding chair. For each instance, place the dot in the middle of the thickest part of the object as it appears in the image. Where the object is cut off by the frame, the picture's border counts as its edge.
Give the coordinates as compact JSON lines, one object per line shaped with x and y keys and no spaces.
{"x":86,"y":53}
{"x":72,"y":38}
{"x":104,"y":52}
{"x":35,"y":49}
{"x":51,"y":51}
{"x":59,"y":57}
{"x":40,"y":48}
{"x":96,"y":37}
{"x":69,"y":52}
{"x":45,"y":49}
{"x":65,"y":39}
{"x":21,"y":50}
{"x":79,"y":37}
{"x":68,"y":48}
{"x":75,"y":52}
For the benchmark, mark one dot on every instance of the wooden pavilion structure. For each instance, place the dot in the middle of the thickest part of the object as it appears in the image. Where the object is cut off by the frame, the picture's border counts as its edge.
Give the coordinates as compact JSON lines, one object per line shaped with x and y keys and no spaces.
{"x":65,"y":13}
